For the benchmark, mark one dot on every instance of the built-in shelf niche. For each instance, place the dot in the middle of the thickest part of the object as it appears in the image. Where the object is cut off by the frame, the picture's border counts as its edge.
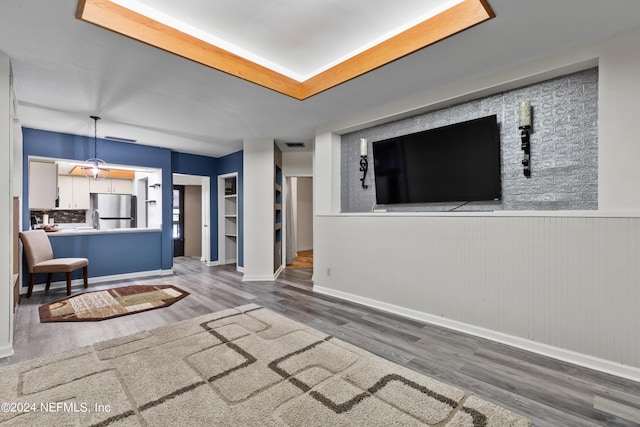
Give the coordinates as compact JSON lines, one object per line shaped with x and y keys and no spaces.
{"x":229,"y":221}
{"x":277,"y":222}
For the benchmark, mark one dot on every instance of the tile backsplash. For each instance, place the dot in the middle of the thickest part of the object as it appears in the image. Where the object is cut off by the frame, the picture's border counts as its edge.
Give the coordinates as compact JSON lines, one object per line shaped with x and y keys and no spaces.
{"x":63,"y":216}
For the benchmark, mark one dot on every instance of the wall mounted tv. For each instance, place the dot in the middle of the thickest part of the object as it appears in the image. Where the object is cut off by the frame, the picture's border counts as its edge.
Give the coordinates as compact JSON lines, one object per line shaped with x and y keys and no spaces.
{"x":455,"y":163}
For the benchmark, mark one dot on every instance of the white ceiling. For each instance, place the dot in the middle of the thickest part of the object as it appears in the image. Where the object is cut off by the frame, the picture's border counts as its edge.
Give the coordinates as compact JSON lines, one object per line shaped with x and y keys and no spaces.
{"x":297,"y":38}
{"x":66,"y":69}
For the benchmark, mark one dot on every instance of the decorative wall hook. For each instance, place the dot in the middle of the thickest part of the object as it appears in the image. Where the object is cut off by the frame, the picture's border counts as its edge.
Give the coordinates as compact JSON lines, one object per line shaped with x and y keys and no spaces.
{"x":525,"y":128}
{"x":364,"y":163}
{"x":364,"y":167}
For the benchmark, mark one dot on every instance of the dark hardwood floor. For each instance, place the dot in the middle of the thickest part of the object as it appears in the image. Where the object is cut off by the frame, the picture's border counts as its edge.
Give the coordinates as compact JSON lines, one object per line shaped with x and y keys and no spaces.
{"x":549,"y":392}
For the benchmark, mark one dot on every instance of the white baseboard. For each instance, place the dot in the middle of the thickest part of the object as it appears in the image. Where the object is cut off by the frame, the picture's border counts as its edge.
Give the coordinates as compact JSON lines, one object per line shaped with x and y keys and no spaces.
{"x":225,"y":262}
{"x":210,"y":263}
{"x":257,"y":278}
{"x":277,"y":273}
{"x":591,"y":362}
{"x":6,"y":351}
{"x":99,"y":279}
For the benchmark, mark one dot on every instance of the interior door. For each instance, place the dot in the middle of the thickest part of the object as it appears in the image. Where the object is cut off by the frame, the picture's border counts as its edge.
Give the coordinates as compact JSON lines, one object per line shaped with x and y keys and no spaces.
{"x":178,"y":220}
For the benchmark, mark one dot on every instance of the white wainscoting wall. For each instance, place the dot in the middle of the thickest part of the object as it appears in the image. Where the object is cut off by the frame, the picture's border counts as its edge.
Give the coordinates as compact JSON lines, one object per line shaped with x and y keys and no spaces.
{"x":565,"y":286}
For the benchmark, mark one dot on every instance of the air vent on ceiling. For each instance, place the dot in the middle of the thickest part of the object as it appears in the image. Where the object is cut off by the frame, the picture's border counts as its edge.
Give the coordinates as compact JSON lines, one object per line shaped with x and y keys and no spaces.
{"x":294,"y":144}
{"x":117,"y":138}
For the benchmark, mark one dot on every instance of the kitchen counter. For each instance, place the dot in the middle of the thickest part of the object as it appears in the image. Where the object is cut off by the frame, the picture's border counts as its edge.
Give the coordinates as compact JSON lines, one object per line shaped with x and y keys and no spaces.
{"x":111,"y":253}
{"x":91,"y":231}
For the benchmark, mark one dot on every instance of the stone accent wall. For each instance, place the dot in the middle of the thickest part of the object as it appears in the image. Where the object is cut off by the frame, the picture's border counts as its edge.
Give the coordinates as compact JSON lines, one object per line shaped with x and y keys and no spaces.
{"x":564,"y":148}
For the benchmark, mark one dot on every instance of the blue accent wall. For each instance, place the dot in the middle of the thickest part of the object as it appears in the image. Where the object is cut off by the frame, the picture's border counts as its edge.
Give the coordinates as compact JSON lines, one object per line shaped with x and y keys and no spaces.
{"x":66,"y":146}
{"x":192,"y":164}
{"x":229,"y":164}
{"x":129,"y":253}
{"x":110,"y":254}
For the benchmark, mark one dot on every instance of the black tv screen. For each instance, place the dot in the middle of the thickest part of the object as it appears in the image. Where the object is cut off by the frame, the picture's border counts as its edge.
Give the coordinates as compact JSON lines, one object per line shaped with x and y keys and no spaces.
{"x":455,"y":163}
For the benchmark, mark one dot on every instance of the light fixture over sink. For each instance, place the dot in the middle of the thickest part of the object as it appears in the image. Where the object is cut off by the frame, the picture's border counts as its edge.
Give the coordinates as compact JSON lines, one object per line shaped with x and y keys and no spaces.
{"x":95,"y":168}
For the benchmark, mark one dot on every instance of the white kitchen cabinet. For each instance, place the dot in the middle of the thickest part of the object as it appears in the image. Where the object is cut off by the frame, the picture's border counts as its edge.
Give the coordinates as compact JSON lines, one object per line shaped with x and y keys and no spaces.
{"x":122,"y":186}
{"x":111,"y":186}
{"x":43,"y":185}
{"x":73,"y":192}
{"x":65,"y":191}
{"x":100,"y":186}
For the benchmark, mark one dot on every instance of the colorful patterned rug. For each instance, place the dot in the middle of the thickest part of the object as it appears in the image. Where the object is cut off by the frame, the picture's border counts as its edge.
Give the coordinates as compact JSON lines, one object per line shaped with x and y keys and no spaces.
{"x":101,"y":305}
{"x":245,"y":366}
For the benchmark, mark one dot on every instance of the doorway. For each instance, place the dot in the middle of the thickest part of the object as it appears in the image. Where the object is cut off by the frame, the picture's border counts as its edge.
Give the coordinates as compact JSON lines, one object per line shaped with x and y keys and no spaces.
{"x":195,"y":216}
{"x":299,"y":222}
{"x":187,"y":221}
{"x":177,"y":224}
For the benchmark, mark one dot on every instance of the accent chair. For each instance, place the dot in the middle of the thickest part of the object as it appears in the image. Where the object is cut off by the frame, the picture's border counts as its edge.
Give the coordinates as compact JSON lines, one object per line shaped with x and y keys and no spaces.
{"x":39,"y":254}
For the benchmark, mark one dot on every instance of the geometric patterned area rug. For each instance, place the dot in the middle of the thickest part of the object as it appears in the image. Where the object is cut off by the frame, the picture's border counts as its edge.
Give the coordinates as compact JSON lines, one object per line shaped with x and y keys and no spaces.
{"x":100,"y":305}
{"x":246,"y":366}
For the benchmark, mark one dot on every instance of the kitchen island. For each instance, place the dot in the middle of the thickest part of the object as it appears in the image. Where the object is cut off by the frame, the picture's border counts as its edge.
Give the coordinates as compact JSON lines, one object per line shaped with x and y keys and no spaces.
{"x":79,"y":231}
{"x":113,"y":254}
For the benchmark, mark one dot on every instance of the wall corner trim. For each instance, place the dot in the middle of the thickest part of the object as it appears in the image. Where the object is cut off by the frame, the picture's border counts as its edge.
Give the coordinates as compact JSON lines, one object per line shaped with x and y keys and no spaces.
{"x":6,"y":351}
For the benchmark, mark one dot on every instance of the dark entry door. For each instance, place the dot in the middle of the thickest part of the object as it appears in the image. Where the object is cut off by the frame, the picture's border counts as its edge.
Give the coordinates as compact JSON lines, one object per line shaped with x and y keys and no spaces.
{"x":178,"y":220}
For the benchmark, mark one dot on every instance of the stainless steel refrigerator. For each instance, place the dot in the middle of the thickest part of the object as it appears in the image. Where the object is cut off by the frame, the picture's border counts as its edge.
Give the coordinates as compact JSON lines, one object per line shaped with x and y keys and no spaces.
{"x":113,"y":211}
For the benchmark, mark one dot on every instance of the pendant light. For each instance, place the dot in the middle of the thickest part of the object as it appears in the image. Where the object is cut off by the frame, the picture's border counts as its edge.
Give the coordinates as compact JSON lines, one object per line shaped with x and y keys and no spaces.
{"x":95,"y":168}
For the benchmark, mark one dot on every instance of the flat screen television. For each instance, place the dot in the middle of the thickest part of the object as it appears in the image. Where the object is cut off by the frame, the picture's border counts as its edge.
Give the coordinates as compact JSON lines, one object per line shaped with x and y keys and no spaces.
{"x":455,"y":163}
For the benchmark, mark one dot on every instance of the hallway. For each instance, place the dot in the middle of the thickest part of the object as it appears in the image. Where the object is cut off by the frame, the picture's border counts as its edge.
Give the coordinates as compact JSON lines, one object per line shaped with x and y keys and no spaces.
{"x":303,"y":260}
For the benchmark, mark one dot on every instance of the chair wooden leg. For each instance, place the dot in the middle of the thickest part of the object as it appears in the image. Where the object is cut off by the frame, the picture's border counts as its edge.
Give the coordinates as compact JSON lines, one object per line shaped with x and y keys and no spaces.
{"x":32,"y":279}
{"x":85,"y":275}
{"x":48,"y":281}
{"x":68,"y":283}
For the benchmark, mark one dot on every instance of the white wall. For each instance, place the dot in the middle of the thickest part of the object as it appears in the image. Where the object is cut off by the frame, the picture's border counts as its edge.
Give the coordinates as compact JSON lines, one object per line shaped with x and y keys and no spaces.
{"x":580,"y":286}
{"x":258,"y":198}
{"x":563,"y":286}
{"x":154,"y":210}
{"x":297,"y":163}
{"x":326,"y":173}
{"x":6,"y":246}
{"x":619,"y":92}
{"x":304,"y":213}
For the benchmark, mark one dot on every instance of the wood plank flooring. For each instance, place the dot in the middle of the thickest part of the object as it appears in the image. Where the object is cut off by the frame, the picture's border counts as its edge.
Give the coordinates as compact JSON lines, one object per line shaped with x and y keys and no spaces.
{"x":303,"y":260}
{"x":549,"y":392}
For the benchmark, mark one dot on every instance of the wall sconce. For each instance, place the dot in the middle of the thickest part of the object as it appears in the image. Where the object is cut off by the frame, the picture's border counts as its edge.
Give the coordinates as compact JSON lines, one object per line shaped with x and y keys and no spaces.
{"x":364,"y":163}
{"x":525,"y":128}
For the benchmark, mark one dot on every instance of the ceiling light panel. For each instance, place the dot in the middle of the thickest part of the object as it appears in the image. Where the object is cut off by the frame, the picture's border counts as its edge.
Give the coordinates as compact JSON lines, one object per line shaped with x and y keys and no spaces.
{"x":296,"y":38}
{"x":287,"y":35}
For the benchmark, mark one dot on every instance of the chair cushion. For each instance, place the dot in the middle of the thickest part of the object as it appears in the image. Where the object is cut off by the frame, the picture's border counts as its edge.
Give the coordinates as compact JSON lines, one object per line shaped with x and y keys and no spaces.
{"x":60,"y":265}
{"x":37,"y":247}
